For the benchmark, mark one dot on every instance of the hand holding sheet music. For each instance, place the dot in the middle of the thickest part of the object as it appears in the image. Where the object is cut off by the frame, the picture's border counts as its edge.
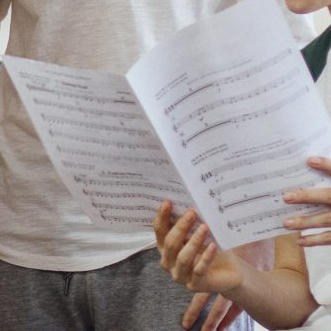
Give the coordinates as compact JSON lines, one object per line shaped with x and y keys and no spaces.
{"x":237,"y":114}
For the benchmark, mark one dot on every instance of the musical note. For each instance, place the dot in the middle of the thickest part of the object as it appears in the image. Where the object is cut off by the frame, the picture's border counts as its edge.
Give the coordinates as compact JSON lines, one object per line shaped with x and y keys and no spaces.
{"x":149,"y":185}
{"x":261,"y":177}
{"x":87,"y":111}
{"x":85,"y":97}
{"x":126,"y":195}
{"x":270,"y":194}
{"x":241,"y":118}
{"x":120,"y":219}
{"x":230,"y":79}
{"x":94,"y":126}
{"x":292,"y":148}
{"x":103,"y":156}
{"x":269,"y":214}
{"x":108,"y":206}
{"x":103,"y":142}
{"x":239,"y":98}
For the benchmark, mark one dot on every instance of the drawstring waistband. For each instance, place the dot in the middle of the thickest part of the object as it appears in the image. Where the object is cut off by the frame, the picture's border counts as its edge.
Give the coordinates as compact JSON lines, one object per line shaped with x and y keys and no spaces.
{"x":67,"y":278}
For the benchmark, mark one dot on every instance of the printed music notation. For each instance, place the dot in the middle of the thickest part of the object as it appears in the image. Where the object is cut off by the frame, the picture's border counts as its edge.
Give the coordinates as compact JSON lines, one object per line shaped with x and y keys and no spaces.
{"x":108,"y":206}
{"x":88,"y":111}
{"x":147,"y":222}
{"x":76,"y":165}
{"x":240,"y":118}
{"x":103,"y":156}
{"x":150,"y":185}
{"x":270,"y":194}
{"x":85,"y":96}
{"x":239,"y":98}
{"x":238,"y":223}
{"x":247,"y":118}
{"x":289,"y":150}
{"x":103,"y":142}
{"x":293,"y":169}
{"x":127,"y":195}
{"x":233,"y":78}
{"x":93,"y":126}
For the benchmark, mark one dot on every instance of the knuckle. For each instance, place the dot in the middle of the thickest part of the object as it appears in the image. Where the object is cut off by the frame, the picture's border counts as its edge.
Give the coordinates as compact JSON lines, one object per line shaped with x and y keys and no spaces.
{"x":197,"y":239}
{"x":210,"y":325}
{"x":197,"y":273}
{"x":169,"y":244}
{"x":182,"y":225}
{"x":181,"y":260}
{"x":191,"y":286}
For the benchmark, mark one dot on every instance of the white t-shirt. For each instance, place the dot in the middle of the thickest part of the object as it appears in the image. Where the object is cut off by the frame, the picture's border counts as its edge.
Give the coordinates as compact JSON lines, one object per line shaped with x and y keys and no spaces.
{"x":318,"y":258}
{"x":41,"y":226}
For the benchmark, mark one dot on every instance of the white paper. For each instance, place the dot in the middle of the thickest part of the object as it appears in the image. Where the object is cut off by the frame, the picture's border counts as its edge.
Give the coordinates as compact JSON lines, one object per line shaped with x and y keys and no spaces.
{"x":236,"y":108}
{"x":100,"y":142}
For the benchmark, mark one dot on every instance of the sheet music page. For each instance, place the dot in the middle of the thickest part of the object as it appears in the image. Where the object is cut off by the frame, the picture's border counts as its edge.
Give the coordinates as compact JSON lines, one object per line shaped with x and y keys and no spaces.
{"x":236,"y":108}
{"x":100,"y":142}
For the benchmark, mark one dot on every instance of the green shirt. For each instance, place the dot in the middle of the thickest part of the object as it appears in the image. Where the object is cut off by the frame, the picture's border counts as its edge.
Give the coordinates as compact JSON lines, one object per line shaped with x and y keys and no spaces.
{"x":316,"y":53}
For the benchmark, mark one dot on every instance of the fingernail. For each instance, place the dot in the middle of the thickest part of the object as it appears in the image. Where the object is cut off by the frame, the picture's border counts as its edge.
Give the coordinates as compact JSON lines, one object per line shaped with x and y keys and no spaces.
{"x":189,"y":216}
{"x":291,"y":196}
{"x":289,"y":223}
{"x":165,"y":206}
{"x":315,"y":160}
{"x":186,"y":324}
{"x":203,"y":228}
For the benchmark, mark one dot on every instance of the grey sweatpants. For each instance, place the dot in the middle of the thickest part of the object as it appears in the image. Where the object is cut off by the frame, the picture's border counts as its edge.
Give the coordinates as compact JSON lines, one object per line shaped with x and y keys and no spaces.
{"x":133,"y":295}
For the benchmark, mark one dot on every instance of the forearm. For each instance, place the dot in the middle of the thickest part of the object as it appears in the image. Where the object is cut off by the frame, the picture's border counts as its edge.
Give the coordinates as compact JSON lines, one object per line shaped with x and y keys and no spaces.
{"x":276,"y":299}
{"x":260,"y":254}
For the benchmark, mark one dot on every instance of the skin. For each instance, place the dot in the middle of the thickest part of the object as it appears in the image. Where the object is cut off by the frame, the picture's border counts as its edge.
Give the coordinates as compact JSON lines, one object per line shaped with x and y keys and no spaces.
{"x":319,"y":196}
{"x":276,"y":299}
{"x":306,"y":6}
{"x":223,"y":311}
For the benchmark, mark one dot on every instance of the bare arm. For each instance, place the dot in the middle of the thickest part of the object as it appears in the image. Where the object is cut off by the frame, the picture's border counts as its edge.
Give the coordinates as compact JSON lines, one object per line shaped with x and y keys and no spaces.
{"x":280,"y":298}
{"x":276,"y":299}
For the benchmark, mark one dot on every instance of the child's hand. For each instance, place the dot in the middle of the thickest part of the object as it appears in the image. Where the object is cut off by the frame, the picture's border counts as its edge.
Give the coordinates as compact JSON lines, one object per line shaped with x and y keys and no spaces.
{"x":199,"y":268}
{"x":312,"y":196}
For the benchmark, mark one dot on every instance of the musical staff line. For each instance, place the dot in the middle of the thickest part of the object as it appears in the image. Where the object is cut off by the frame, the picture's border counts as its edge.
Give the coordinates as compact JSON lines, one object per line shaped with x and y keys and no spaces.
{"x":74,"y":165}
{"x":103,"y":142}
{"x":107,"y":206}
{"x":103,"y":156}
{"x":87,"y":111}
{"x":260,"y":216}
{"x":121,"y":219}
{"x":127,"y":195}
{"x":85,"y":97}
{"x":271,"y":194}
{"x":94,"y":126}
{"x":244,"y":117}
{"x":154,"y":186}
{"x":230,"y":79}
{"x":224,"y":101}
{"x":199,"y":89}
{"x":260,"y":177}
{"x":297,"y":146}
